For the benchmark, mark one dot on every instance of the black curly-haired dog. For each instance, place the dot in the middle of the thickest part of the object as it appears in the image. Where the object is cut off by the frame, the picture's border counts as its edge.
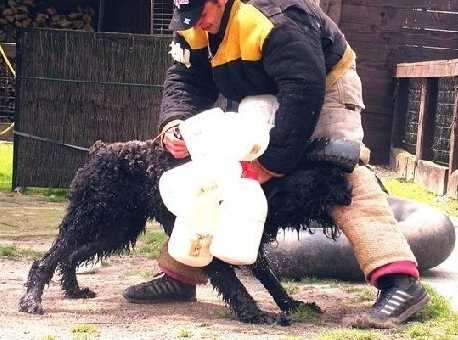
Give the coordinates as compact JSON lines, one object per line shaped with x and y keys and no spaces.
{"x":116,"y":192}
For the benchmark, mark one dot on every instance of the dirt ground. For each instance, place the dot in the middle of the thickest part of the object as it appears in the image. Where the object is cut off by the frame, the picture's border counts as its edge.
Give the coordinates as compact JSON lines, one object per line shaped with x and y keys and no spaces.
{"x":28,"y":223}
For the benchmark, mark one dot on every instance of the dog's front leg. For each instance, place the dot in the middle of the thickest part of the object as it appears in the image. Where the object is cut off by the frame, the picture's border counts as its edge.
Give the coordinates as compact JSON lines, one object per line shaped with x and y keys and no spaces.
{"x":263,"y":272}
{"x":222,"y":276}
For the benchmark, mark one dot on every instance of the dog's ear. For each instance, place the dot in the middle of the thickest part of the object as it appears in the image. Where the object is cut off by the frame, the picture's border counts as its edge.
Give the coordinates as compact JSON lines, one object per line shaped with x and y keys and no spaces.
{"x":96,"y":147}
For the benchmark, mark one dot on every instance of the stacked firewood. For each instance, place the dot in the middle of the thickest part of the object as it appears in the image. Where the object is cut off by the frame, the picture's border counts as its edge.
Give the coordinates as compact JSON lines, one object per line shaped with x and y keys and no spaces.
{"x":36,"y":13}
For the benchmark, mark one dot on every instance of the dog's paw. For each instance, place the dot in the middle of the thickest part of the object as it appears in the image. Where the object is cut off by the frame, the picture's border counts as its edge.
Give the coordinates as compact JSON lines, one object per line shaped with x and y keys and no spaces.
{"x":283,"y":320}
{"x":81,"y":293}
{"x":269,"y":319}
{"x":28,"y":304}
{"x":298,"y":305}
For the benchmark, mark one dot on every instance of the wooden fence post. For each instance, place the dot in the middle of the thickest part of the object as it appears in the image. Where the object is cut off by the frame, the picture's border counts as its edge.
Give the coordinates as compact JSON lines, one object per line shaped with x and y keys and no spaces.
{"x":452,"y":187}
{"x":400,"y":109}
{"x":453,"y":161}
{"x":428,"y":104}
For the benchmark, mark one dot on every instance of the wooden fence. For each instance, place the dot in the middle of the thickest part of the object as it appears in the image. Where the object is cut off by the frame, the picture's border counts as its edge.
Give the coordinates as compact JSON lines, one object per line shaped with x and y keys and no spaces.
{"x":74,"y":88}
{"x":425,"y":131}
{"x":385,"y":33}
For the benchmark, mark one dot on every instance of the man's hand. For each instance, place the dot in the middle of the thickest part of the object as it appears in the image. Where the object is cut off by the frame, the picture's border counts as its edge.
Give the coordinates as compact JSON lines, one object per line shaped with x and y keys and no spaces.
{"x":254,"y":171}
{"x":174,"y":144}
{"x":263,"y":176}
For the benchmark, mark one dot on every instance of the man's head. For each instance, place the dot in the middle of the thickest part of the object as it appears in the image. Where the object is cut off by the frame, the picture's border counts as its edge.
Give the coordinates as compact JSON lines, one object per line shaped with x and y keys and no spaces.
{"x":206,"y":14}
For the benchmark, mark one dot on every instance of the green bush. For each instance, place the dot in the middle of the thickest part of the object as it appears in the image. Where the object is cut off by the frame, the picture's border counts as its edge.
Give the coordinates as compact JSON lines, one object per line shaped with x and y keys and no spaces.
{"x":6,"y":166}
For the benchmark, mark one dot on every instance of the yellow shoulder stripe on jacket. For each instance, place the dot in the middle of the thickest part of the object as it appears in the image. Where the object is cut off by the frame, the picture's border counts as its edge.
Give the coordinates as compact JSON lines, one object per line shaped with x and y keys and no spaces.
{"x":195,"y":37}
{"x":245,"y":34}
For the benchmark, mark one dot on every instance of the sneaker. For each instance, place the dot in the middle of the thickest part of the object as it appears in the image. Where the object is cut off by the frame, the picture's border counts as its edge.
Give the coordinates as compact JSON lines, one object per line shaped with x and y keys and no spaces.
{"x":395,"y":304}
{"x":161,"y":289}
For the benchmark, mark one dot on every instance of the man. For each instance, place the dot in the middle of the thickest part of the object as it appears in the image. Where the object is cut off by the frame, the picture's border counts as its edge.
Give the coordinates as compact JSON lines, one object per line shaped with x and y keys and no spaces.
{"x":291,"y":49}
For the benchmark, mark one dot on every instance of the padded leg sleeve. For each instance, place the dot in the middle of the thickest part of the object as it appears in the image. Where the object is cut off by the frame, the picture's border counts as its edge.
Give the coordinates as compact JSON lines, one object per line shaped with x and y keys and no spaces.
{"x":370,"y":226}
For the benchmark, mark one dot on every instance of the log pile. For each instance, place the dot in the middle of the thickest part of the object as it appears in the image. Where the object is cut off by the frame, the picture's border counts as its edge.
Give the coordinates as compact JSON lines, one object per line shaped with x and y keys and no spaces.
{"x":37,"y":13}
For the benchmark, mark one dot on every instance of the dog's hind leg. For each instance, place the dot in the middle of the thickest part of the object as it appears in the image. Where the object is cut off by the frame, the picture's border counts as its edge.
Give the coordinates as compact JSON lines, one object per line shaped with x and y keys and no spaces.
{"x":40,"y":274}
{"x":68,"y":271}
{"x":263,"y":272}
{"x":222,"y":276}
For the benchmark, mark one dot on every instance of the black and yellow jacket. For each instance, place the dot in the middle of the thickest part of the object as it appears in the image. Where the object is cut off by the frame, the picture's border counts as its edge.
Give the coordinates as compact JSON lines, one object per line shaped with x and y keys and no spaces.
{"x":288,"y":48}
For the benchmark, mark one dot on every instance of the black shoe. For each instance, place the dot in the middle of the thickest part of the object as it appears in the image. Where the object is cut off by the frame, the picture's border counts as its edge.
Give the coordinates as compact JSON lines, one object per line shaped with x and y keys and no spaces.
{"x":161,"y":289}
{"x":396,"y":302}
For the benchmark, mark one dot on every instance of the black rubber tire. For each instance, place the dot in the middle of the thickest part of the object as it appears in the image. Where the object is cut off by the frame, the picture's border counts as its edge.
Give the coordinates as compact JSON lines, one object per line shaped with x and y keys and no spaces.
{"x":430,"y":233}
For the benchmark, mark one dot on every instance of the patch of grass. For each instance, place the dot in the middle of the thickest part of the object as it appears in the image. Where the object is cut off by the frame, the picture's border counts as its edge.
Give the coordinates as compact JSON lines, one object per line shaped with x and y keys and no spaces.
{"x":304,"y":313}
{"x":367,"y":294}
{"x":84,"y":331}
{"x":7,"y":251}
{"x":362,"y":293}
{"x":12,"y":252}
{"x":311,"y":280}
{"x":49,"y":337}
{"x":414,"y":192}
{"x":6,"y":178}
{"x":144,"y":274}
{"x":56,"y":195}
{"x":346,"y":286}
{"x":438,"y":308}
{"x":6,"y":166}
{"x":150,"y":243}
{"x":291,"y":287}
{"x":351,"y":289}
{"x":211,"y":335}
{"x":314,"y":280}
{"x":440,"y":329}
{"x":225,"y":313}
{"x":436,"y":321}
{"x":184,"y":333}
{"x":84,"y":336}
{"x":30,"y":222}
{"x":350,"y":334}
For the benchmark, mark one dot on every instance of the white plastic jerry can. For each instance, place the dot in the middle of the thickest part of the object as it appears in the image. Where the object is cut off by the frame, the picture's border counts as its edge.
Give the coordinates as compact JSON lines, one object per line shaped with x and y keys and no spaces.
{"x":182,"y":185}
{"x":243,"y":212}
{"x":210,"y":135}
{"x":257,"y":113}
{"x":193,"y":231}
